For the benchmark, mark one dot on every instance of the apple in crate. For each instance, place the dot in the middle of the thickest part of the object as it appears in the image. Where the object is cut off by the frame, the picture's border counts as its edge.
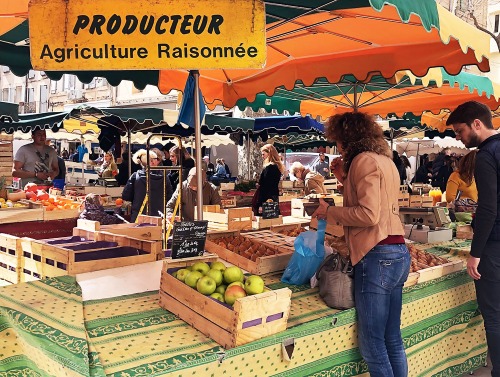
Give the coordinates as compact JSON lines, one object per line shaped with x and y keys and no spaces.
{"x":201,"y":267}
{"x":232,"y":274}
{"x":239,"y":283}
{"x":233,"y":293}
{"x":217,"y":296}
{"x":192,"y":278}
{"x":182,"y":273}
{"x":216,"y":275}
{"x":254,"y":285}
{"x":221,"y":289}
{"x":206,"y":285}
{"x":218,"y":266}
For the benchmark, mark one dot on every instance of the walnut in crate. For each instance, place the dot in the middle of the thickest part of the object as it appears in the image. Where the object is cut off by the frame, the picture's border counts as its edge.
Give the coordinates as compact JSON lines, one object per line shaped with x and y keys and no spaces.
{"x":339,"y":245}
{"x":292,"y":232}
{"x":421,"y":259}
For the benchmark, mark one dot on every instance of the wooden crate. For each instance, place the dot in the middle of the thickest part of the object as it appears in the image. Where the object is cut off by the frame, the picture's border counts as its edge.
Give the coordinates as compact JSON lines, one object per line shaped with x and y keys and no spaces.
{"x":41,"y":260}
{"x":415,"y":201}
{"x":331,"y":184}
{"x":336,"y":229}
{"x":227,"y":186}
{"x":227,"y":219}
{"x":228,"y":202}
{"x":144,"y":232}
{"x":262,"y":265}
{"x":273,"y":240}
{"x":149,"y":246}
{"x":430,"y":273}
{"x":10,"y":254}
{"x":427,"y":201}
{"x":285,"y":228}
{"x":251,"y":317}
{"x":261,"y":223}
{"x":21,"y":214}
{"x":465,"y":232}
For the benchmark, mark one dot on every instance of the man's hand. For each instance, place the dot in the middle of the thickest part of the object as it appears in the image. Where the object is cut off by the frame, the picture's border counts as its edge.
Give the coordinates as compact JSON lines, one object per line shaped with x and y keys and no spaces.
{"x":320,"y":212}
{"x":42,"y":175}
{"x":472,"y":264}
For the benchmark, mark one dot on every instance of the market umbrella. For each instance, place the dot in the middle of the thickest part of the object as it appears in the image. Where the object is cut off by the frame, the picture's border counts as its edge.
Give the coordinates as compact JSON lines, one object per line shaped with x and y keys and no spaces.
{"x":343,"y":37}
{"x":377,"y":95}
{"x":303,"y":39}
{"x":9,"y":111}
{"x":438,"y":121}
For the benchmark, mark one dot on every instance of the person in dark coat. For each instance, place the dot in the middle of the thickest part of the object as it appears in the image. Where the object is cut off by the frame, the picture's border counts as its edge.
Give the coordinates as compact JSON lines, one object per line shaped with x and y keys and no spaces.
{"x":268,"y":186}
{"x":135,"y":189}
{"x":123,"y":175}
{"x":400,"y":166}
{"x":423,"y":173}
{"x":441,"y":178}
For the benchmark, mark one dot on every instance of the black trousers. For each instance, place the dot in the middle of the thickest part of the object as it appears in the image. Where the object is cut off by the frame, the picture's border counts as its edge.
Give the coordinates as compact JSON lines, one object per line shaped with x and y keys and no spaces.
{"x":488,"y":299}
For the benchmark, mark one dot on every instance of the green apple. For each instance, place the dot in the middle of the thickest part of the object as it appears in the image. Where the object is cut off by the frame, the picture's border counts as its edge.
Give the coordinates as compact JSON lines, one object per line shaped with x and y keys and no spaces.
{"x":232,"y":274}
{"x":218,"y":266}
{"x":239,"y":283}
{"x":221,"y":289}
{"x":254,"y":285}
{"x":206,"y":285}
{"x":189,"y":268}
{"x":201,"y":266}
{"x":174,"y":274}
{"x":216,"y":275}
{"x":233,"y":293}
{"x":217,"y":296}
{"x":192,"y":278}
{"x":182,"y":273}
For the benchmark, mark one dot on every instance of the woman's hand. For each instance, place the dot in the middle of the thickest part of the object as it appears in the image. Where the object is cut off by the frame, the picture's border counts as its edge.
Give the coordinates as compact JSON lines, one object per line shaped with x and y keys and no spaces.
{"x":337,"y":168}
{"x":321,"y":211}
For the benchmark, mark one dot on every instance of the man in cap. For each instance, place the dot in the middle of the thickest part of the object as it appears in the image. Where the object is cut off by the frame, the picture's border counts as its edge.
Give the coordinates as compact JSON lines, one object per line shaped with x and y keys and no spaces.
{"x":189,"y":194}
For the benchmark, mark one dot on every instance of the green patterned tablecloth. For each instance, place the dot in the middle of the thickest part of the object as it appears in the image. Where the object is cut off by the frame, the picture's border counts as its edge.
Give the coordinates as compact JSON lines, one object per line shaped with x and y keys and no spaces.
{"x":46,"y":330}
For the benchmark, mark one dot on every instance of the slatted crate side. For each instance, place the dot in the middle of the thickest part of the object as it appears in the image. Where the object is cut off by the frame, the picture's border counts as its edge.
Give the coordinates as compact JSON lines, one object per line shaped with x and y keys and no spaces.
{"x":10,"y":253}
{"x":87,"y":234}
{"x":230,"y":218}
{"x":434,"y":272}
{"x":142,"y":219}
{"x":261,"y":223}
{"x":40,"y":261}
{"x":251,"y":318}
{"x":150,"y":233}
{"x":75,"y":268}
{"x":286,"y":227}
{"x":151,"y":247}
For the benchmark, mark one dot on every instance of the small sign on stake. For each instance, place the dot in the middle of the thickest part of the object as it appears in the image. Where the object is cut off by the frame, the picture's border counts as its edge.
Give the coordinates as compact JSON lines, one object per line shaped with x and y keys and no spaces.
{"x":188,"y":238}
{"x":270,"y":210}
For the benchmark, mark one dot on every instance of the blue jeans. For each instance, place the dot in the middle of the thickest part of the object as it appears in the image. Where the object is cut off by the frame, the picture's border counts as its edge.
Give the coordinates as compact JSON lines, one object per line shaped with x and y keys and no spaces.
{"x":378,"y":291}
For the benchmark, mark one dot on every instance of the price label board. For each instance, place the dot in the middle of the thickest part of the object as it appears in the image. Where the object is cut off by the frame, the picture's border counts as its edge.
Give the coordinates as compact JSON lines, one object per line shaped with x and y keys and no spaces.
{"x":270,"y":210}
{"x":188,"y":238}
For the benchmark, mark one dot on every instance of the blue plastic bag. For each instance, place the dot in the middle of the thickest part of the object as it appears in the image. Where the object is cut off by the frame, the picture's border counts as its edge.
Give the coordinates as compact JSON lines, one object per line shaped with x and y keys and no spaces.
{"x":308,"y":255}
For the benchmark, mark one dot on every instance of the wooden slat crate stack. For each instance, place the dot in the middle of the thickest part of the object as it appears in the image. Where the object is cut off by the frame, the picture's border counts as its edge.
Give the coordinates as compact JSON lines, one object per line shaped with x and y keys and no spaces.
{"x":6,"y":158}
{"x":10,"y":254}
{"x":143,"y":231}
{"x":227,"y":219}
{"x":251,"y":317}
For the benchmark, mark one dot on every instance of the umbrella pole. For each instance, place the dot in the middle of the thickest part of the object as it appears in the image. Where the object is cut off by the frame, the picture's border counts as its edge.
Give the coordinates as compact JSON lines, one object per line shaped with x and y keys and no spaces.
{"x":197,"y":142}
{"x":129,"y":136}
{"x":249,"y":176}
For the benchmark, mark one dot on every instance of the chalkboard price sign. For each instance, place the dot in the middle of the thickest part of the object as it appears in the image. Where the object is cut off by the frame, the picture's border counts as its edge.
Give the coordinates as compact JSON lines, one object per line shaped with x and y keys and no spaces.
{"x":270,"y":210}
{"x":188,"y":238}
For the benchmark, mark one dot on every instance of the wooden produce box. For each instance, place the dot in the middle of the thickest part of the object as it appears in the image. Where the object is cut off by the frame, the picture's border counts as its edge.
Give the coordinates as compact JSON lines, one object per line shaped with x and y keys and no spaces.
{"x":420,"y":201}
{"x":10,"y":255}
{"x":273,"y":240}
{"x":227,"y":219}
{"x":331,"y":184}
{"x":465,"y":232}
{"x":434,"y":272}
{"x":404,"y":199}
{"x":259,"y":266}
{"x":144,"y":231}
{"x":149,"y":246}
{"x":288,"y":230}
{"x":228,"y":202}
{"x":336,"y":229}
{"x":227,"y":186}
{"x":251,"y":317}
{"x":427,"y":201}
{"x":261,"y":223}
{"x":41,"y":260}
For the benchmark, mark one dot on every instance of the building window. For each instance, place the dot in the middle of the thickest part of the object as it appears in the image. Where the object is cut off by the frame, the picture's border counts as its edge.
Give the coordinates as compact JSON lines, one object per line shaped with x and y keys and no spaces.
{"x":497,"y":19}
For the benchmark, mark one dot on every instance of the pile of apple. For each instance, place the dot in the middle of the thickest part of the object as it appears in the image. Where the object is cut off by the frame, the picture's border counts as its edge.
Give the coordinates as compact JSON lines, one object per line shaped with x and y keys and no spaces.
{"x":224,"y":284}
{"x":245,"y":247}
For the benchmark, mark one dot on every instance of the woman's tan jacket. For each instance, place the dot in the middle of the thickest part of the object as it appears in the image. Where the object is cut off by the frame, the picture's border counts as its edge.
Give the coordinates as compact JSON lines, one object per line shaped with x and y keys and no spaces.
{"x":370,"y":212}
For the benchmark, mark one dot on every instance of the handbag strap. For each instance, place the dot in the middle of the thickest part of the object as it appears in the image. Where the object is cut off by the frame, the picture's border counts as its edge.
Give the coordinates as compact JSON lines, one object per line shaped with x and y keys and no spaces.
{"x":330,"y":258}
{"x":459,"y":194}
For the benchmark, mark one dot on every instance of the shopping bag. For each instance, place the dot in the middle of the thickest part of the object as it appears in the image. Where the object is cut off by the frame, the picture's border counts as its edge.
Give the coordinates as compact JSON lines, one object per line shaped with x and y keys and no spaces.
{"x":308,"y":254}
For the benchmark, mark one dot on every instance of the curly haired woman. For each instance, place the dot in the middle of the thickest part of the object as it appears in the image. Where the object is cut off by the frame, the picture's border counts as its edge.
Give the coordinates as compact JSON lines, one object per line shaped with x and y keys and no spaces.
{"x":374,"y":235}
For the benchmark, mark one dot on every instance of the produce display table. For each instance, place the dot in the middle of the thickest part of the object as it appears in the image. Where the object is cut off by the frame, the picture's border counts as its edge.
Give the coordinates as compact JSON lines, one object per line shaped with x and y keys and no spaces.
{"x":131,"y":335}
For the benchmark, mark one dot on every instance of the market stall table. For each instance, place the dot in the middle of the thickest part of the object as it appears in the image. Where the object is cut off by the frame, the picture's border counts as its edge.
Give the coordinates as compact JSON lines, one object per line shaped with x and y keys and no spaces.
{"x":131,"y":335}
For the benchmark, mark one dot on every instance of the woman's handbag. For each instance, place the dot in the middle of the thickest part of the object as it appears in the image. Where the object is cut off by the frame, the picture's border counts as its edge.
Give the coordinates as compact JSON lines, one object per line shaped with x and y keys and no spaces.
{"x":336,"y":282}
{"x":464,"y":204}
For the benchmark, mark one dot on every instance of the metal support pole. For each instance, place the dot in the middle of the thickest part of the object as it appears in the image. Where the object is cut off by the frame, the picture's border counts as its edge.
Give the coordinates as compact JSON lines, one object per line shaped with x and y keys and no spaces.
{"x":197,"y":143}
{"x":249,"y":176}
{"x":129,"y":136}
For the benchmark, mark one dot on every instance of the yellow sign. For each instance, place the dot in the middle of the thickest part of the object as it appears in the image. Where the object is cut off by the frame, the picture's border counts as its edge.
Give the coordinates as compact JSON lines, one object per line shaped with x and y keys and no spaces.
{"x":84,"y":35}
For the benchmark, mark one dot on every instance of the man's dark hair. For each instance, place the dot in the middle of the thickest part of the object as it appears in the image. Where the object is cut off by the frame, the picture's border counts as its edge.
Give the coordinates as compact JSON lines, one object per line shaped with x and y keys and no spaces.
{"x":468,"y":111}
